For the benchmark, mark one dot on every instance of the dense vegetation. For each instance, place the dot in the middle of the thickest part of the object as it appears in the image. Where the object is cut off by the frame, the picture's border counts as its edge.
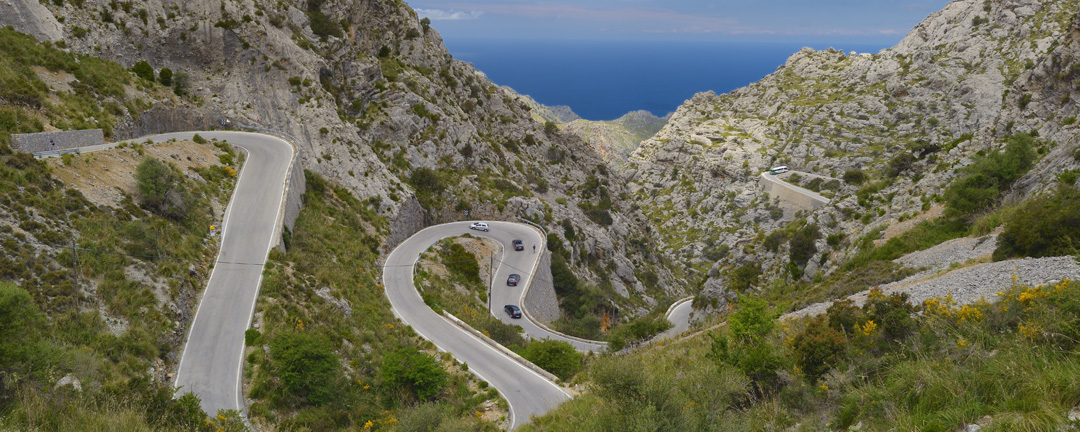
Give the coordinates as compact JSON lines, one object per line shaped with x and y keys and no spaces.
{"x":110,"y":332}
{"x":1044,"y":226}
{"x":879,"y":365}
{"x":982,"y":182}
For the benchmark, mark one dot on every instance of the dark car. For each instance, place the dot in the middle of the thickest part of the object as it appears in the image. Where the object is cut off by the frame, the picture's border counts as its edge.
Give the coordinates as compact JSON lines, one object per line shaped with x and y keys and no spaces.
{"x":513,"y":279}
{"x":518,"y":245}
{"x":513,"y":311}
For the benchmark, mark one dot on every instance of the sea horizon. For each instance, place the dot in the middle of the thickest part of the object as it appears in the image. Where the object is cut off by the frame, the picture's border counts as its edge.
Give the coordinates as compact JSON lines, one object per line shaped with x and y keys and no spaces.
{"x":604,"y":80}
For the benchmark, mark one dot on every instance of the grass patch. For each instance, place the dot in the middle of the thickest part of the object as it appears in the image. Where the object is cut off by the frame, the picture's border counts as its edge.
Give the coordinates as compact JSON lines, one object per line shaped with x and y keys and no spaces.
{"x":924,"y":235}
{"x":1014,"y":361}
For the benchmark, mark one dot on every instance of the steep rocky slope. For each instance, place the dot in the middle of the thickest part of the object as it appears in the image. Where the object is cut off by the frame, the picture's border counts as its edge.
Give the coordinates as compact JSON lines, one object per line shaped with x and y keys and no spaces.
{"x":379,"y":106}
{"x":616,"y":139}
{"x":905,"y":119}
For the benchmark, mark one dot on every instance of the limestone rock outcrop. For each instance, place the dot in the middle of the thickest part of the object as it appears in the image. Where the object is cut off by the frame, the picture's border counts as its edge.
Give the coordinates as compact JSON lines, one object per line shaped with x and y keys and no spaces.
{"x":906,"y":118}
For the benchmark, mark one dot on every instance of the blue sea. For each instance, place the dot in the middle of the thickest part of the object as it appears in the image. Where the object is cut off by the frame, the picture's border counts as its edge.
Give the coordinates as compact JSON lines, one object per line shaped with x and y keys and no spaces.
{"x":602,"y":80}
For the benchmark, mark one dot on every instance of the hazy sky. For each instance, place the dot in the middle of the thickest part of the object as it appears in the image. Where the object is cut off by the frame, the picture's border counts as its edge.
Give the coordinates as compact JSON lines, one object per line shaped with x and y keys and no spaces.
{"x":869,"y":21}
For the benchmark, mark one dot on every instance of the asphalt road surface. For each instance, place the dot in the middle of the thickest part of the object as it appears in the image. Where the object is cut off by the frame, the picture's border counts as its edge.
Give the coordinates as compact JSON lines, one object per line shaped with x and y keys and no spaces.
{"x":679,"y":315}
{"x":523,"y":263}
{"x":210,"y":365}
{"x":528,"y":393}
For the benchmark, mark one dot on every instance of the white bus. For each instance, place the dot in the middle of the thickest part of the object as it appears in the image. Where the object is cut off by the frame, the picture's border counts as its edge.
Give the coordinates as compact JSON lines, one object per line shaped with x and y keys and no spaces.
{"x":778,"y":169}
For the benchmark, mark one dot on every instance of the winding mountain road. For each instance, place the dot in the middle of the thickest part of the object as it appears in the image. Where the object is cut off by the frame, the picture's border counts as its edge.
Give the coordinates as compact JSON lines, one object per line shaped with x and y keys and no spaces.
{"x":528,"y":393}
{"x":212,"y":361}
{"x":523,"y":263}
{"x":679,"y":315}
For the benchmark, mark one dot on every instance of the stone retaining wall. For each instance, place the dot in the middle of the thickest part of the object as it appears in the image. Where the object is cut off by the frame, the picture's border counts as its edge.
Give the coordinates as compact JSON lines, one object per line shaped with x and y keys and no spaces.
{"x":791,"y":197}
{"x":294,"y":200}
{"x":52,"y":141}
{"x":541,"y":300}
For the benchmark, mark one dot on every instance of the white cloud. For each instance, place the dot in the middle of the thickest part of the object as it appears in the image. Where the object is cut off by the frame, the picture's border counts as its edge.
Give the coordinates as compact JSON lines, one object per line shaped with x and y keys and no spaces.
{"x":439,"y":14}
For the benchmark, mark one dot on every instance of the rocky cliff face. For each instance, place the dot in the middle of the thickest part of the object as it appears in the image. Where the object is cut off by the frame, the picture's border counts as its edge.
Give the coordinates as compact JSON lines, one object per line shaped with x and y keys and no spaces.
{"x":962,"y":80}
{"x":616,"y":139}
{"x":380,"y":107}
{"x":33,"y":19}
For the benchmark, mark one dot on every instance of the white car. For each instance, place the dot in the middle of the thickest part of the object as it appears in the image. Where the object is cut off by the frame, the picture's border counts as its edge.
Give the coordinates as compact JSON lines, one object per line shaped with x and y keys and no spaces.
{"x":479,"y":226}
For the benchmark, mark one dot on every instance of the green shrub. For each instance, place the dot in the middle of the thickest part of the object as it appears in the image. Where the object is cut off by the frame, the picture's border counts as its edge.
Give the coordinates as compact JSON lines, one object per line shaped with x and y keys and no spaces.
{"x":252,"y":337}
{"x":599,"y":215}
{"x":165,"y":76}
{"x":22,"y":323}
{"x":423,"y":417}
{"x":306,"y":365}
{"x":1025,"y":99}
{"x":818,"y":348}
{"x":773,"y":240}
{"x":743,"y":277}
{"x":162,"y":190}
{"x":803,"y":245}
{"x":505,"y":334}
{"x":557,"y":357}
{"x":854,"y":177}
{"x":426,"y":180}
{"x":716,"y":252}
{"x":198,"y":139}
{"x":920,"y":148}
{"x":554,"y":243}
{"x":181,"y":83}
{"x":420,"y":374}
{"x":752,"y":320}
{"x":843,"y":315}
{"x":550,"y":127}
{"x":900,"y":164}
{"x":746,"y":348}
{"x":635,"y":331}
{"x":1069,"y":177}
{"x":461,"y":262}
{"x":421,"y":110}
{"x":143,"y":70}
{"x":1044,"y":226}
{"x":580,"y":302}
{"x":892,"y":314}
{"x":321,"y":25}
{"x":982,"y":181}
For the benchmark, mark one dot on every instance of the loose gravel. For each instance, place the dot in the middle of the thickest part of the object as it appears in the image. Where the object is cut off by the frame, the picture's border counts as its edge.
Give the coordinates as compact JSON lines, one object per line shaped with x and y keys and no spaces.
{"x":969,"y":284}
{"x":953,"y":251}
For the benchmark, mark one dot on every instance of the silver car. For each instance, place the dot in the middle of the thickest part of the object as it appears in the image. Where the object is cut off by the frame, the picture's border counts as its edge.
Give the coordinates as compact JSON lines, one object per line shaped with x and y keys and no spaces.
{"x":479,"y":226}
